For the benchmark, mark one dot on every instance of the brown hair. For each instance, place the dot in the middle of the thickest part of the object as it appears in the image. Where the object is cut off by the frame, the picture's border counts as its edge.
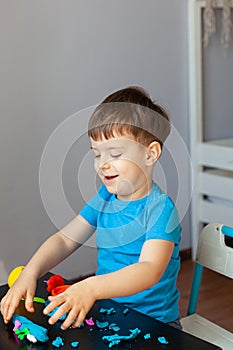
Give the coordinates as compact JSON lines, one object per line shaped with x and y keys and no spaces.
{"x":129,"y":111}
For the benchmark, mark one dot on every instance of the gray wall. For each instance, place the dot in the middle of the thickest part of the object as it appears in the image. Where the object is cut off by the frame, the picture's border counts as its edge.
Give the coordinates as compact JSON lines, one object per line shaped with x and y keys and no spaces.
{"x":57,"y":58}
{"x":217,"y":86}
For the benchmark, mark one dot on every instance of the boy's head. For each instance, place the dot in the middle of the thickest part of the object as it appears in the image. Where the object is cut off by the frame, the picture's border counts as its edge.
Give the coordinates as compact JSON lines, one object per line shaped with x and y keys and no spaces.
{"x":129,"y":112}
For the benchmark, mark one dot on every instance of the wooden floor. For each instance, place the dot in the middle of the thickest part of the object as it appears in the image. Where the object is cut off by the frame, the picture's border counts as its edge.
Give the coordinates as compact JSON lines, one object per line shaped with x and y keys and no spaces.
{"x":215,"y":298}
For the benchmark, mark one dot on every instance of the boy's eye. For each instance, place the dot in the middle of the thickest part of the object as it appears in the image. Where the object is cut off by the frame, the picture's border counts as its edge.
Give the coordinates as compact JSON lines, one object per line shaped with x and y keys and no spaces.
{"x":96,"y":155}
{"x":115,"y":155}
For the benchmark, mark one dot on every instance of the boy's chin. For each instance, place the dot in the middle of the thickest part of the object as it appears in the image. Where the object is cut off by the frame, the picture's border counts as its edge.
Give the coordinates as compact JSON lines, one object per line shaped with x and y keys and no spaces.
{"x":122,"y":190}
{"x":112,"y":190}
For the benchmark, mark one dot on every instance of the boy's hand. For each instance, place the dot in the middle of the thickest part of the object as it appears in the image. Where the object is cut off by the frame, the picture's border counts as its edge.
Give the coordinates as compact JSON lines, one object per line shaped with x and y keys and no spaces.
{"x":77,"y":300}
{"x":24,"y":287}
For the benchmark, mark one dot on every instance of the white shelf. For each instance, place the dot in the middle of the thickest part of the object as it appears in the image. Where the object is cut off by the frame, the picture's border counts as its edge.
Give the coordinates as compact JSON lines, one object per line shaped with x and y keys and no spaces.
{"x":217,"y":183}
{"x":218,"y":154}
{"x":213,"y":212}
{"x":212,"y":161}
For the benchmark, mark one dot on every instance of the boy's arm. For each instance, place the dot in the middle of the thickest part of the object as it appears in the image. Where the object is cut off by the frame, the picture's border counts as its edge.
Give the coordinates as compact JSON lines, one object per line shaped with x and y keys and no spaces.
{"x":54,"y":250}
{"x":154,"y":258}
{"x":79,"y":298}
{"x":59,"y":246}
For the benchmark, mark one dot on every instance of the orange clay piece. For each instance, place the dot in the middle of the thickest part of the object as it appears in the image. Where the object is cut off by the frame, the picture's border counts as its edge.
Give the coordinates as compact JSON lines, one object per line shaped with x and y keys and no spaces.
{"x":59,"y":289}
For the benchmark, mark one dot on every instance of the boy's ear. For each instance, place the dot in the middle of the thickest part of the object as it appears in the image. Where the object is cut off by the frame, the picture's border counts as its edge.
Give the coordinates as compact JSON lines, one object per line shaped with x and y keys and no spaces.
{"x":153,"y":152}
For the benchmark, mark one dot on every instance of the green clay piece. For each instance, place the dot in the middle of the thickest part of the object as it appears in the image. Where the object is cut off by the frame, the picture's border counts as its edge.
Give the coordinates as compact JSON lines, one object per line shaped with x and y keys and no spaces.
{"x":21,"y":334}
{"x":39,"y":332}
{"x":37,"y":300}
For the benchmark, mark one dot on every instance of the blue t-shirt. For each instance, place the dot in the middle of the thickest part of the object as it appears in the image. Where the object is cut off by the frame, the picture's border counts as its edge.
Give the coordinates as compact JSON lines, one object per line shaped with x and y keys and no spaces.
{"x":121,"y":230}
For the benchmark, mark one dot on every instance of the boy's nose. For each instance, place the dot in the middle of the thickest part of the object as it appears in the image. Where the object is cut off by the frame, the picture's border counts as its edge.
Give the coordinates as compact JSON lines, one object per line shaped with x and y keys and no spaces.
{"x":105,"y":165}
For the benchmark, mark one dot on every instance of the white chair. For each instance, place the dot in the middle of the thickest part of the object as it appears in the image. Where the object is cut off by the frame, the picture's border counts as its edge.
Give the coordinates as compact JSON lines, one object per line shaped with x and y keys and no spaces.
{"x":215,"y":254}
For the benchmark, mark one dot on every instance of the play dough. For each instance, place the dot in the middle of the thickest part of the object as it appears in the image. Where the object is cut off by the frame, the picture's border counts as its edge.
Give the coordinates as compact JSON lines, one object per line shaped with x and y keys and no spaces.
{"x":14,"y":275}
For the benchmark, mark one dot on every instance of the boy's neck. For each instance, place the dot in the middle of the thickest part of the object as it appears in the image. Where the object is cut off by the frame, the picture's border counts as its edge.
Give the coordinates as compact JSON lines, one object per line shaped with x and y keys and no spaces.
{"x":139,"y":194}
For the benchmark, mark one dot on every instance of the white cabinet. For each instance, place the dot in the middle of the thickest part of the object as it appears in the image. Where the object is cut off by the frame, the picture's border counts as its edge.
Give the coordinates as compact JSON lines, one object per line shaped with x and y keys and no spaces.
{"x":212,"y":161}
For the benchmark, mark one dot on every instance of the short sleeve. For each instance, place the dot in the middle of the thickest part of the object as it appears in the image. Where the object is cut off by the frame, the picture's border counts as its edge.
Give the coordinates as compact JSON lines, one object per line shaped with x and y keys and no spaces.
{"x":89,"y":214}
{"x":166,"y":225}
{"x":94,"y":207}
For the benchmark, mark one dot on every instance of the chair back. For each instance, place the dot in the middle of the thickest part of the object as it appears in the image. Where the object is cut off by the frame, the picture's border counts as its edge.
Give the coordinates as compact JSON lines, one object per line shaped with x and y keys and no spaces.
{"x":212,"y":250}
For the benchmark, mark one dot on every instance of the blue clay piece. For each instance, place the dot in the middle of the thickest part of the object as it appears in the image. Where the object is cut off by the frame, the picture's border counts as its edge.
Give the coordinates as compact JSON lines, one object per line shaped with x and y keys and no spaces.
{"x":134,"y":333}
{"x":162,"y":340}
{"x":74,"y":344}
{"x":110,"y":311}
{"x":113,"y":327}
{"x":125,"y":311}
{"x":62,"y":318}
{"x":58,"y":342}
{"x":102,"y":324}
{"x":81,"y":325}
{"x":114,"y":342}
{"x":115,"y":337}
{"x":39,"y":332}
{"x":109,"y":338}
{"x":147,"y":336}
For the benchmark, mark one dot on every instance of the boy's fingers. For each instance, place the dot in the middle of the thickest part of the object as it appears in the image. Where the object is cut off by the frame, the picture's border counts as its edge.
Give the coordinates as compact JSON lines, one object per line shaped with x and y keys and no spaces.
{"x":71,"y":317}
{"x":53,"y":303}
{"x":9,"y":313}
{"x":49,"y":308}
{"x":57,"y":298}
{"x":62,"y":310}
{"x":79,"y":320}
{"x":4,"y":312}
{"x":8,"y":309}
{"x":29,"y":303}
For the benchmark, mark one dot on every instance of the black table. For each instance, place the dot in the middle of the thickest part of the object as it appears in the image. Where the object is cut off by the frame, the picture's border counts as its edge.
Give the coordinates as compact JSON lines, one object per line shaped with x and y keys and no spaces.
{"x":90,"y":337}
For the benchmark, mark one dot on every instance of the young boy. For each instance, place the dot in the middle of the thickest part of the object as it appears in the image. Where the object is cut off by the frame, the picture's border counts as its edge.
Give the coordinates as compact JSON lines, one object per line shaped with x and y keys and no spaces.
{"x":137,"y":226}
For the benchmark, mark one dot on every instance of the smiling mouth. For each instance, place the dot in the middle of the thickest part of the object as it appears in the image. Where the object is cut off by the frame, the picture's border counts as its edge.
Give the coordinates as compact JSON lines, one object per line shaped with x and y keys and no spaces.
{"x":108,"y":178}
